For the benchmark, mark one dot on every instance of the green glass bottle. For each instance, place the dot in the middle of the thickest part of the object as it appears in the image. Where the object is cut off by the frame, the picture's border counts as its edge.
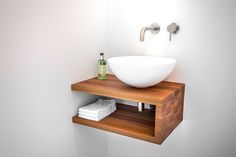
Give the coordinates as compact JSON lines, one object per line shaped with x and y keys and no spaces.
{"x":102,"y":67}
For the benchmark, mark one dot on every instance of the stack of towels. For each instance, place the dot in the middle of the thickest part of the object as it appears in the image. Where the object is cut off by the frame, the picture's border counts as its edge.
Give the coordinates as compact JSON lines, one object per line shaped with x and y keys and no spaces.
{"x":97,"y":110}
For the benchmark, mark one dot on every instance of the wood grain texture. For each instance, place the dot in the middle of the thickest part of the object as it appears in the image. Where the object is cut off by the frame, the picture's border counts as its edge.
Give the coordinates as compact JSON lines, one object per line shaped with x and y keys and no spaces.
{"x":153,"y":126}
{"x":126,"y":120}
{"x":168,"y":116}
{"x":112,"y":87}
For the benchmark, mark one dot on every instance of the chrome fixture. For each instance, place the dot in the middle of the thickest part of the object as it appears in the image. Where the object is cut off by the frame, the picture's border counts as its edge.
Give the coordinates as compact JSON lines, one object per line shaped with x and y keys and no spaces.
{"x":154,"y":29}
{"x":152,"y":107}
{"x":172,"y":28}
{"x":140,"y":106}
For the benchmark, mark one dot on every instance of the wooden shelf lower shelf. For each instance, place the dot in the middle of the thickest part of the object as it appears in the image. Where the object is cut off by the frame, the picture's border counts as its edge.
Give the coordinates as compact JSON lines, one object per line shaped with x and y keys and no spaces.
{"x":126,"y":120}
{"x":153,"y":126}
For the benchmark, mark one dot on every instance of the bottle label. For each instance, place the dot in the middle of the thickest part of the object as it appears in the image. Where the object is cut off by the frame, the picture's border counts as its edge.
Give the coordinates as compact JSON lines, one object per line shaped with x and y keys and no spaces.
{"x":102,"y":71}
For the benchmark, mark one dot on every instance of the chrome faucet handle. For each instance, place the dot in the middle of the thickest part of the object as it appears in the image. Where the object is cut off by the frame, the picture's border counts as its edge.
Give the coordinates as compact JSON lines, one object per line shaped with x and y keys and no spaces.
{"x":172,"y":28}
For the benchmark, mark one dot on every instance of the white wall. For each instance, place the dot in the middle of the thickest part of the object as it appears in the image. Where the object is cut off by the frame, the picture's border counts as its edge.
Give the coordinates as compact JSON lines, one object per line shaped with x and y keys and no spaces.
{"x":205,"y":53}
{"x":46,"y":45}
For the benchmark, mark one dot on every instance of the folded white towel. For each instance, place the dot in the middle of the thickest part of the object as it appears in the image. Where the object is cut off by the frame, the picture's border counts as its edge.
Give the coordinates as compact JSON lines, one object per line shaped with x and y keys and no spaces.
{"x":104,"y":112}
{"x":98,"y":107}
{"x":98,"y":110}
{"x":96,"y":118}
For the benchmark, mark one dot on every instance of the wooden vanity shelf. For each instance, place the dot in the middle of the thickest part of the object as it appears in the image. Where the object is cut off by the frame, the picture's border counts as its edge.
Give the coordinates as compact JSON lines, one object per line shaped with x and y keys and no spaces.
{"x":152,"y":126}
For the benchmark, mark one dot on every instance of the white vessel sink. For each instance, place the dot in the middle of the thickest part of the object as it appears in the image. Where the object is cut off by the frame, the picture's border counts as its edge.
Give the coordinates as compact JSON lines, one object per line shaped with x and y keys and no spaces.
{"x":141,"y":71}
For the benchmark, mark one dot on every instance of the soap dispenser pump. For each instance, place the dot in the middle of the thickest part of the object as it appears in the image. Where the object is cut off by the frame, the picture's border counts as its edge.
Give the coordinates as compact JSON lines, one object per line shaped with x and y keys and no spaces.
{"x":102,"y":67}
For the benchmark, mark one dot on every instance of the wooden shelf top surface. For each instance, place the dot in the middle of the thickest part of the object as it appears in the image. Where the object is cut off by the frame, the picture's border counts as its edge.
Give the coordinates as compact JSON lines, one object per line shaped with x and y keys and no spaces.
{"x":112,"y":87}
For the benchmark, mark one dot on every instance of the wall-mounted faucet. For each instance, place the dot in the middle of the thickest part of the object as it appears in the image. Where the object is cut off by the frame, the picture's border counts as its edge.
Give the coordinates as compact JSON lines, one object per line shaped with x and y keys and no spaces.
{"x":154,"y":29}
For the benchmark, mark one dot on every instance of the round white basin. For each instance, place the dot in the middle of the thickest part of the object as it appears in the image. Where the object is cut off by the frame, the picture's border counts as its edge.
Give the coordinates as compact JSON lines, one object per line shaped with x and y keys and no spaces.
{"x":141,"y":71}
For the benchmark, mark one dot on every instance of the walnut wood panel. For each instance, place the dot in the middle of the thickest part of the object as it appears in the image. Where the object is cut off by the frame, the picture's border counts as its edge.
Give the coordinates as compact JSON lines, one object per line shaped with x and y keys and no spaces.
{"x":152,"y":126}
{"x":112,"y":87}
{"x":126,"y":120}
{"x":168,"y":116}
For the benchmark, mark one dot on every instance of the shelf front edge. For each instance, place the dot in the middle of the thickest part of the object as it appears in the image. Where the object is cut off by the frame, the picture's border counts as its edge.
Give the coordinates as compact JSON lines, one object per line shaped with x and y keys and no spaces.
{"x":108,"y":128}
{"x":94,"y":91}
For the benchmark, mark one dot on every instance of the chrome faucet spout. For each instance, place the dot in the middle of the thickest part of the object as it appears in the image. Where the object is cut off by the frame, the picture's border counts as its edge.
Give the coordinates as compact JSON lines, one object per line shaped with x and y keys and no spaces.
{"x":154,"y":28}
{"x":142,"y":33}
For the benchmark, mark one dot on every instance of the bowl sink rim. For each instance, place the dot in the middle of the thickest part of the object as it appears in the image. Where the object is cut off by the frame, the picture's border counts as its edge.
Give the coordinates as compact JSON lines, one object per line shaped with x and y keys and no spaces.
{"x":135,"y":60}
